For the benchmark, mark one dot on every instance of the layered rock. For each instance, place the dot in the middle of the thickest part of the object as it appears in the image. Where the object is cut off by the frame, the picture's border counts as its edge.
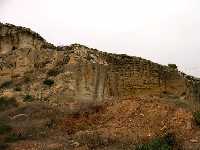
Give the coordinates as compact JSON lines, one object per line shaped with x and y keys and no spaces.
{"x":81,"y":73}
{"x":14,"y":37}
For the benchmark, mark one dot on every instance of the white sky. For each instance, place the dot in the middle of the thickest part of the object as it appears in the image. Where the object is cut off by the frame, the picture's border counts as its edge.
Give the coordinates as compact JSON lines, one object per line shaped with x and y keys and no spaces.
{"x":164,"y":31}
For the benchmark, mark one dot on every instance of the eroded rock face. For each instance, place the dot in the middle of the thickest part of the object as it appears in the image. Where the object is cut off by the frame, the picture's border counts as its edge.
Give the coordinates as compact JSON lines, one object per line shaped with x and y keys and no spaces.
{"x":13,"y":37}
{"x":81,"y":73}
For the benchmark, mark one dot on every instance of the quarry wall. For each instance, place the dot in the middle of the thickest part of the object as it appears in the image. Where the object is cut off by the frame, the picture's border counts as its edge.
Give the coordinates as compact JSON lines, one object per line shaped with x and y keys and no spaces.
{"x":81,"y":73}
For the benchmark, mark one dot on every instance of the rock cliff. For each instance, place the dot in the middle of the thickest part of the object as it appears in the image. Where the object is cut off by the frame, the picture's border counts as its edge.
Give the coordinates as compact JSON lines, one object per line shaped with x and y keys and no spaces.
{"x":81,"y":73}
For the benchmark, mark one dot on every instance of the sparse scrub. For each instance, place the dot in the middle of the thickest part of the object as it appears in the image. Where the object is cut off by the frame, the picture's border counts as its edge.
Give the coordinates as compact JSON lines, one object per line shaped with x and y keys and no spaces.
{"x":12,"y":137}
{"x":53,"y":72}
{"x":166,"y":142}
{"x":75,"y":123}
{"x":196,"y":116}
{"x":90,"y":108}
{"x":28,"y":98}
{"x":27,"y":79}
{"x":4,"y":128}
{"x":183,"y":94}
{"x":3,"y":146}
{"x":48,"y":82}
{"x":94,"y":140}
{"x":85,"y":117}
{"x":18,"y":89}
{"x":7,"y":102}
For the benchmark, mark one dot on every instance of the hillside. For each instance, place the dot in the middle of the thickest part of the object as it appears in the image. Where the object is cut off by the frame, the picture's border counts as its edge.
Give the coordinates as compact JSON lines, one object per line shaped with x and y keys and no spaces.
{"x":75,"y":97}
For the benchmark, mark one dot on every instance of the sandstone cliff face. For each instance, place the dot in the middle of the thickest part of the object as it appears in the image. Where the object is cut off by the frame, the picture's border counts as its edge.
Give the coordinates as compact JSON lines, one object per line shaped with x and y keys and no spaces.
{"x":81,"y":73}
{"x":13,"y":37}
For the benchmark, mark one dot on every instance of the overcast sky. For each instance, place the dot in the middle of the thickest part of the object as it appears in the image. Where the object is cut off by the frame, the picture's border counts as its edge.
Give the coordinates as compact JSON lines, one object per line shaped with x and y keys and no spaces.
{"x":164,"y":31}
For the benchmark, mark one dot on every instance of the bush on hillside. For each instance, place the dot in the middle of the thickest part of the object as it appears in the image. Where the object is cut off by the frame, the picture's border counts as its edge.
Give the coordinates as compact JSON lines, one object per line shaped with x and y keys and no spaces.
{"x":12,"y":137}
{"x":173,"y":66}
{"x":53,"y":72}
{"x":196,"y":116}
{"x":4,"y":128}
{"x":166,"y":142}
{"x":7,"y":102}
{"x":3,"y":146}
{"x":17,"y":89}
{"x":6,"y":84}
{"x":48,"y":82}
{"x":28,"y":98}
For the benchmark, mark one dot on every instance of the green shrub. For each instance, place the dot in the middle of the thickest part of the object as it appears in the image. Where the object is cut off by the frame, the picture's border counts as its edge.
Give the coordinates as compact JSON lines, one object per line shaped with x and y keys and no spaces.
{"x":53,"y":72}
{"x":166,"y":142}
{"x":48,"y":82}
{"x":18,"y":89}
{"x":27,"y":79}
{"x":196,"y":116}
{"x":28,"y":98}
{"x":13,"y":138}
{"x":3,"y":146}
{"x":4,"y":128}
{"x":6,"y":84}
{"x":7,"y":102}
{"x":173,"y":66}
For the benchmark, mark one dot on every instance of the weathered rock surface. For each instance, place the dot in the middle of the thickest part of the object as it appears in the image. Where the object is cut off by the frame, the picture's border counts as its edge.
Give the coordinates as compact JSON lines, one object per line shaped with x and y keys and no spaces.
{"x":81,"y":73}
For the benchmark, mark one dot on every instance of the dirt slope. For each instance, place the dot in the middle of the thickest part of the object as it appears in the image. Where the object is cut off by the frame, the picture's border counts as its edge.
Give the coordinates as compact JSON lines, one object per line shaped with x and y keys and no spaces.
{"x":120,"y":124}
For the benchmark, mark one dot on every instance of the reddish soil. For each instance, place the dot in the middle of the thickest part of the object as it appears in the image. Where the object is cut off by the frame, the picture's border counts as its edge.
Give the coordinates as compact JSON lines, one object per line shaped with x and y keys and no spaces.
{"x":113,"y":125}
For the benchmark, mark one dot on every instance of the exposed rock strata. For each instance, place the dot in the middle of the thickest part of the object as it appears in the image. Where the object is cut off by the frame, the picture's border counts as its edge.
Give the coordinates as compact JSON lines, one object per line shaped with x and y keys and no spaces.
{"x":81,"y":73}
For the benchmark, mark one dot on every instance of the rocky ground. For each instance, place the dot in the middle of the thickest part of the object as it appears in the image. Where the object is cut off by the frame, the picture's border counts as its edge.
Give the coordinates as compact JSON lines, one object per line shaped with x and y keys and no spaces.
{"x":113,"y":125}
